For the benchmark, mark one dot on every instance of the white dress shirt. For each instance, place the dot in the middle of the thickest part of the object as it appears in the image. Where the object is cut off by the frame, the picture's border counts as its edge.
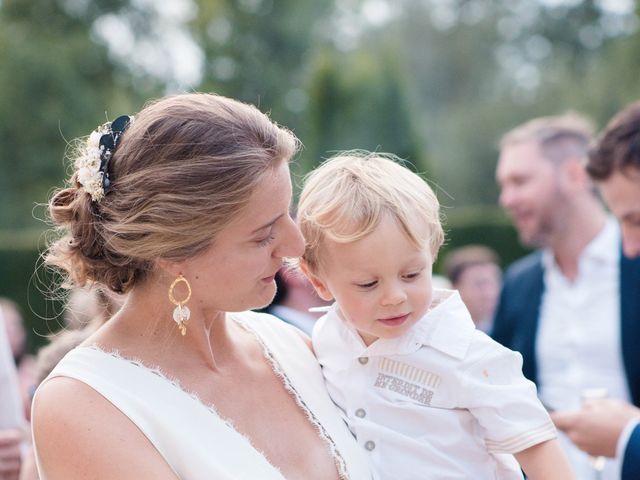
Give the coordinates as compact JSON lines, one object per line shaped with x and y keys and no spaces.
{"x":578,"y":343}
{"x":442,"y":401}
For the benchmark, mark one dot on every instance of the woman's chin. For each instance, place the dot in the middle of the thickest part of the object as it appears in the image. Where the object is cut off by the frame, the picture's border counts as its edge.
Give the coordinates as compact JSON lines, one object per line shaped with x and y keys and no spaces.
{"x":266,"y":296}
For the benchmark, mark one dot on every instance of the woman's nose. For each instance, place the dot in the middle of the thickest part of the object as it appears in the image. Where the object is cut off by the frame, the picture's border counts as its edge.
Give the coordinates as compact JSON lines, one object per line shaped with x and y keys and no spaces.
{"x":292,"y":241}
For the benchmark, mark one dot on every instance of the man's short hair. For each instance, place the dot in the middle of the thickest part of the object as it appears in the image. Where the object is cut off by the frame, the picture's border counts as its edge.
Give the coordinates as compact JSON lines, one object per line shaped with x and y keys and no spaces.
{"x":618,"y":147}
{"x":559,"y":137}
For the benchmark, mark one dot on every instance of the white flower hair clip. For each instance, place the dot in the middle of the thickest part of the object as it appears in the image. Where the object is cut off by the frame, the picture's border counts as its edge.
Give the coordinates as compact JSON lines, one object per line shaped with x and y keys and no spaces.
{"x":92,"y":166}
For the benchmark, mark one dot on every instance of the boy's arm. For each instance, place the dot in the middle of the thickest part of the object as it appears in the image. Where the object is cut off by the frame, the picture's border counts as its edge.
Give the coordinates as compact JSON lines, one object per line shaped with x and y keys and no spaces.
{"x":545,"y":461}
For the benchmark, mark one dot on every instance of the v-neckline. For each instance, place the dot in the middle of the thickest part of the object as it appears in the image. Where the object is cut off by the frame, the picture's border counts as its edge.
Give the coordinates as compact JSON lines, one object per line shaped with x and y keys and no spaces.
{"x":276,"y":367}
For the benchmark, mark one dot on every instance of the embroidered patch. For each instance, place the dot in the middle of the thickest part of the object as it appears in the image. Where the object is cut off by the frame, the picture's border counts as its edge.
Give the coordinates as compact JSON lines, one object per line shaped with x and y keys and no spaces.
{"x":408,"y":389}
{"x":409,"y":372}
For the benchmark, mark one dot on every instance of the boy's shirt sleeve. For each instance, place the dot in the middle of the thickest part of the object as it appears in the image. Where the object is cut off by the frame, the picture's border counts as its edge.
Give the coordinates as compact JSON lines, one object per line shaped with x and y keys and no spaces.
{"x":503,"y":401}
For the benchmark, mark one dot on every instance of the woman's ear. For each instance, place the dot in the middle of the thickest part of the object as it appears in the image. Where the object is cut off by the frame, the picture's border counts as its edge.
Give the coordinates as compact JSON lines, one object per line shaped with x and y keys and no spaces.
{"x":167,"y":268}
{"x":318,"y":284}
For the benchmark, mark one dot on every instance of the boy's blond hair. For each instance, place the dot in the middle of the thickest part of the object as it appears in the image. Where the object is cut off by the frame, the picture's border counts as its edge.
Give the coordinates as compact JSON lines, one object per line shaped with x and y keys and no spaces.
{"x":346,"y":197}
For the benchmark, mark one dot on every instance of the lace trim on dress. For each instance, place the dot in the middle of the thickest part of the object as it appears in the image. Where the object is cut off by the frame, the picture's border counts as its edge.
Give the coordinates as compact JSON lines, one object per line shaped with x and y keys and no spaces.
{"x":279,"y":371}
{"x":176,"y":384}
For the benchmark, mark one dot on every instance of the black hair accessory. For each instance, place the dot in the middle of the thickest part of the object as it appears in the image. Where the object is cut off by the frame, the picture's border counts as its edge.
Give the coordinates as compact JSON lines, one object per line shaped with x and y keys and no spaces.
{"x":108,"y":143}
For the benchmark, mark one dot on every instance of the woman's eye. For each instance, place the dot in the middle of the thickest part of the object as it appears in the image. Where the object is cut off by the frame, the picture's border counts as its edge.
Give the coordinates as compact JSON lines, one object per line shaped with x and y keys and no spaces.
{"x":266,"y":241}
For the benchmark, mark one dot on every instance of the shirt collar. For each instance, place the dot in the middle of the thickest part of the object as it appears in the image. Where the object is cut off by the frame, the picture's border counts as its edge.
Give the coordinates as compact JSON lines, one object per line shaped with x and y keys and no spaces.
{"x":447,"y":326}
{"x":606,"y":245}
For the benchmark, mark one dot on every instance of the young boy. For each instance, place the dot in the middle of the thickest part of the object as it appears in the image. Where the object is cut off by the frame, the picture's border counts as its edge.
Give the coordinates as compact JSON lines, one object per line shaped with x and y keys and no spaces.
{"x":426,"y":395}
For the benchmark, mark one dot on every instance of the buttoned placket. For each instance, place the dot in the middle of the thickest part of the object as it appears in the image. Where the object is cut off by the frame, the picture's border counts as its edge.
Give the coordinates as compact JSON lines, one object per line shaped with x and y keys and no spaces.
{"x":363,"y":365}
{"x":361,"y":379}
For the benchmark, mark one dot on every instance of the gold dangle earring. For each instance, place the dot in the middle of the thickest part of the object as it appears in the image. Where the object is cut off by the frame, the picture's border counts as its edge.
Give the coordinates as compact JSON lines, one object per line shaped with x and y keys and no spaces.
{"x":181,"y":313}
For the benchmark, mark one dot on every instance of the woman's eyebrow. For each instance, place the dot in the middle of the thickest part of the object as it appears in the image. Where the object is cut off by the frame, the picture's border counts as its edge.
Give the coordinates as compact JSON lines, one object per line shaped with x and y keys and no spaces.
{"x":269,"y":224}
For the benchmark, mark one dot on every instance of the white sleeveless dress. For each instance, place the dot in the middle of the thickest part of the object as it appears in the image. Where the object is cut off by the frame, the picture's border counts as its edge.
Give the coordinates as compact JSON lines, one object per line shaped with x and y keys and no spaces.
{"x":194,"y":440}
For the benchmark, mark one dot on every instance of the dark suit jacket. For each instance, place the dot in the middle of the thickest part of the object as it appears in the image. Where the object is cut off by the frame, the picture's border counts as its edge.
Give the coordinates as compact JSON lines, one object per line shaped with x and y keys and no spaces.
{"x":516,"y":321}
{"x":516,"y":326}
{"x":631,"y":462}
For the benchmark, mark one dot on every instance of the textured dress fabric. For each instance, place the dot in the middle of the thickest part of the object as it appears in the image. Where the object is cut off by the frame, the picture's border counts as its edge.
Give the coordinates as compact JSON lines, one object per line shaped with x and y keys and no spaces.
{"x":195,"y":441}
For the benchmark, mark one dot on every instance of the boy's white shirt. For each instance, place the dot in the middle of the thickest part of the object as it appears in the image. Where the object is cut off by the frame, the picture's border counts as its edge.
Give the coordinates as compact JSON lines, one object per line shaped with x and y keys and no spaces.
{"x":441,"y":401}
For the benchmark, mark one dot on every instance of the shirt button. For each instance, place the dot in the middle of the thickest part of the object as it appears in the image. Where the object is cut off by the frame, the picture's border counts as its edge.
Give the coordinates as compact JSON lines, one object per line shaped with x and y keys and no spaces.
{"x":363,"y":360}
{"x":360,"y":413}
{"x":369,"y":445}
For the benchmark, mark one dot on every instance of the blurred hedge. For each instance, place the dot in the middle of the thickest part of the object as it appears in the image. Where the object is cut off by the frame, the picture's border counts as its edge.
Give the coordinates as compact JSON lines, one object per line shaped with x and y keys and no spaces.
{"x":481,"y":225}
{"x":24,"y":281}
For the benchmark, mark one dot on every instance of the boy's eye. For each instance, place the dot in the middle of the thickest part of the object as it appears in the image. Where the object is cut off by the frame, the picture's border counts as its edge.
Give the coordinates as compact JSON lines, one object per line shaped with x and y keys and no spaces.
{"x":367,"y":285}
{"x":412,"y":275}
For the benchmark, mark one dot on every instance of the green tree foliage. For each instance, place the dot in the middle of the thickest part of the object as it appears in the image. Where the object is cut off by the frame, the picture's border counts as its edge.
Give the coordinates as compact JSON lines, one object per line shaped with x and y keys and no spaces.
{"x":258,"y":51}
{"x":483,"y":66}
{"x":359,"y":101}
{"x":55,"y":84}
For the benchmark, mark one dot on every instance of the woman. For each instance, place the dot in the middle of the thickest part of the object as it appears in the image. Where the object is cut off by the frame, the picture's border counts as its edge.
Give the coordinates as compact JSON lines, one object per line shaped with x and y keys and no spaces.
{"x":185,"y":210}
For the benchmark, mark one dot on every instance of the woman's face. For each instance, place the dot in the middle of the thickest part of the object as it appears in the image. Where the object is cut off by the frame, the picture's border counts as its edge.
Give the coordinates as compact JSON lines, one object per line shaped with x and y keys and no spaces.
{"x":237,"y":272}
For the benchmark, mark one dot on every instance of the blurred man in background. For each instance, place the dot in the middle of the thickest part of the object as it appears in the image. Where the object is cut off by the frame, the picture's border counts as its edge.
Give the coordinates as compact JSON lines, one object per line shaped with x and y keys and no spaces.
{"x":611,"y":427}
{"x":564,"y":307}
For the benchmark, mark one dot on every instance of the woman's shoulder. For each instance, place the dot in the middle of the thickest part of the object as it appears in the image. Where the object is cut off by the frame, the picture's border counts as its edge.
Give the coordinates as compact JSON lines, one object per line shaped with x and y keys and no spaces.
{"x":71,"y":421}
{"x":66,"y":406}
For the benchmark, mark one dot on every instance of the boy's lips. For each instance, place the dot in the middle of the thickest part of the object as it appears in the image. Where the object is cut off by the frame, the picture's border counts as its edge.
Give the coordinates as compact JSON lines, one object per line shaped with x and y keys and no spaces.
{"x":395,"y":321}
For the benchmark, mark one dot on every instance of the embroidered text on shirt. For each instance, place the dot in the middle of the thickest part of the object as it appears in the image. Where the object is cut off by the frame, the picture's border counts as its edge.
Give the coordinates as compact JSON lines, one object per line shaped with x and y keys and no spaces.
{"x":411,"y":390}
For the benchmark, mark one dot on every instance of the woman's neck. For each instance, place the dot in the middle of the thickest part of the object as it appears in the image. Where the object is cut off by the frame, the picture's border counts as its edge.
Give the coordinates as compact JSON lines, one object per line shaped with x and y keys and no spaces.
{"x":144,"y":328}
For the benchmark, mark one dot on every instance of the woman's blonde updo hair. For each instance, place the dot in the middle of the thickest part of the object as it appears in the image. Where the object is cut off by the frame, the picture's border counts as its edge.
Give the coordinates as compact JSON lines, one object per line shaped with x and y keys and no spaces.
{"x":180,"y":173}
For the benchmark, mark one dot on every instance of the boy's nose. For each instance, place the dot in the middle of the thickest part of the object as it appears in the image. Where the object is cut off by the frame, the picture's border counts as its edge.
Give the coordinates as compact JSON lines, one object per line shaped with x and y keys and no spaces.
{"x":394,"y":295}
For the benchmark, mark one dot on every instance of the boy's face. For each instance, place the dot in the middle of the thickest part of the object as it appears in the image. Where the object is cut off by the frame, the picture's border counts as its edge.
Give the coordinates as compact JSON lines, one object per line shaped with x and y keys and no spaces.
{"x":382,"y":282}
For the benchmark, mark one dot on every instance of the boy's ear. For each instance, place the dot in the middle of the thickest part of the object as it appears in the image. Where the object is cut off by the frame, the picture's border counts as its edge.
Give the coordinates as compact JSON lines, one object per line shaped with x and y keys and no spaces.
{"x":318,"y":284}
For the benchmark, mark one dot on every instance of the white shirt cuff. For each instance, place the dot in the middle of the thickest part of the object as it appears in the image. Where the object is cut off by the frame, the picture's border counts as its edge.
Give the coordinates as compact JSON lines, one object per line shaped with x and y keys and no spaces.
{"x":623,"y":439}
